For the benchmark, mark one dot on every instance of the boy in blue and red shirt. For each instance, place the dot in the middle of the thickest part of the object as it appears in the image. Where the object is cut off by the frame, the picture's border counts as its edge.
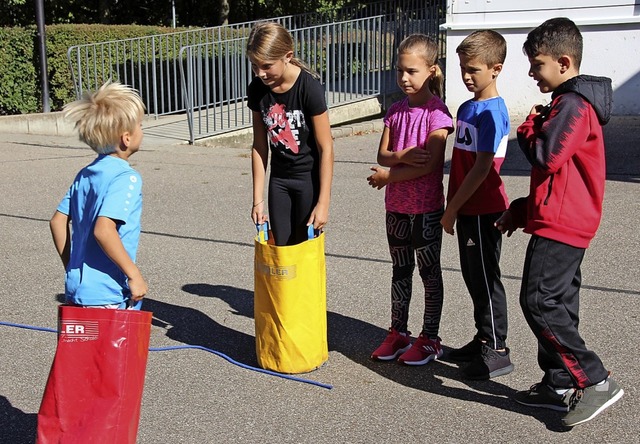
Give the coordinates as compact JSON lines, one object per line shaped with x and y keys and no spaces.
{"x":476,"y":199}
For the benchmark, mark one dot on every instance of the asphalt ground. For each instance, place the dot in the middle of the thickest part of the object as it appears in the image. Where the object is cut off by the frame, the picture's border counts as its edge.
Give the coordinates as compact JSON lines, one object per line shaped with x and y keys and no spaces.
{"x":196,"y":252}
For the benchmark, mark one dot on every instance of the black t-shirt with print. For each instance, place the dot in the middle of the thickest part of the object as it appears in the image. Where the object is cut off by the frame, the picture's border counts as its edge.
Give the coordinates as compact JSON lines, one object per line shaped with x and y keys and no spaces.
{"x":287,"y":118}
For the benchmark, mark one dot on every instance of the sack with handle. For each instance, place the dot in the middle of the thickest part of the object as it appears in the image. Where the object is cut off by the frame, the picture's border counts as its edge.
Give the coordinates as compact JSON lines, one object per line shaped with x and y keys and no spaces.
{"x":94,"y":390}
{"x":290,"y":303}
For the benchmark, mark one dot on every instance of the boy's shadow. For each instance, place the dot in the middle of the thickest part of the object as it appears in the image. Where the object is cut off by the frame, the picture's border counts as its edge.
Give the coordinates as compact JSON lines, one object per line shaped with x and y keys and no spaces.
{"x":348,"y":336}
{"x":16,"y":427}
{"x":355,"y":339}
{"x":192,"y":327}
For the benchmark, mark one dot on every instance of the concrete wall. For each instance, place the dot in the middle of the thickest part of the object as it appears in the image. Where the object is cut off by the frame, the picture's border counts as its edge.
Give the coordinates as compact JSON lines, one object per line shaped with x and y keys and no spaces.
{"x":610,"y":29}
{"x":38,"y":123}
{"x":174,"y":126}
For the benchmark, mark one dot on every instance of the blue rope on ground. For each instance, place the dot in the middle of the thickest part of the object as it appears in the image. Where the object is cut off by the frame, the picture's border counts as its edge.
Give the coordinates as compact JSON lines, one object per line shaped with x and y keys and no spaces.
{"x":239,"y":364}
{"x":198,"y":347}
{"x":29,"y":327}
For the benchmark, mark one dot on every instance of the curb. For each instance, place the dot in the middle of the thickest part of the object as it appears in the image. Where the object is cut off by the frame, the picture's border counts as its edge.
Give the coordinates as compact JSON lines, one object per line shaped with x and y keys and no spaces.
{"x":243,"y":138}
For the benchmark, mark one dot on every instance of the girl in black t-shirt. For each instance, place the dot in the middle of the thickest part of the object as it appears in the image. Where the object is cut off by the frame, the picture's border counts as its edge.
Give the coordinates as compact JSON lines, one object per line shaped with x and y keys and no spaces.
{"x":290,"y":119}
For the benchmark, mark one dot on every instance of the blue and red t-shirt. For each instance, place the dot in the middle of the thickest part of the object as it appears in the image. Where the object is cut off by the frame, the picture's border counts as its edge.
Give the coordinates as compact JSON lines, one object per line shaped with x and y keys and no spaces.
{"x":481,"y":126}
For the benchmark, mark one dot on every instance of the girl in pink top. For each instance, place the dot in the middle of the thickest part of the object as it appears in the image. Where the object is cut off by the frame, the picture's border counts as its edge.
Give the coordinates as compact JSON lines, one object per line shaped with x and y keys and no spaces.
{"x":412,"y":146}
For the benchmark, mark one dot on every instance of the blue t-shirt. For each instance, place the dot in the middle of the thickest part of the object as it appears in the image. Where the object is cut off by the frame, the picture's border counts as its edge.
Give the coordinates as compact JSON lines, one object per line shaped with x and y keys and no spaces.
{"x":107,"y":187}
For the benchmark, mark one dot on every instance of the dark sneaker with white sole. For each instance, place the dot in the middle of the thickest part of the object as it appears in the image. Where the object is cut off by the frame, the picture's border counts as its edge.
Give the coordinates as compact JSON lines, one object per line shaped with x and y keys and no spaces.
{"x":489,"y":364}
{"x":589,"y":402}
{"x":543,"y":396}
{"x":466,"y":353}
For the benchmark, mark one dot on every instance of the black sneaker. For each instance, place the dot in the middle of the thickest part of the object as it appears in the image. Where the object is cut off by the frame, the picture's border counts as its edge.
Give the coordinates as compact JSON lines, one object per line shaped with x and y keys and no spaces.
{"x":466,"y":353}
{"x":488,"y":364}
{"x":588,"y":403}
{"x":541,"y":395}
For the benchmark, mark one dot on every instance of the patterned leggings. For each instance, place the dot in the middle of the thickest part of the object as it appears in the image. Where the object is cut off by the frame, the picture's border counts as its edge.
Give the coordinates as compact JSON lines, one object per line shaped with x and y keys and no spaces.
{"x":414,"y":236}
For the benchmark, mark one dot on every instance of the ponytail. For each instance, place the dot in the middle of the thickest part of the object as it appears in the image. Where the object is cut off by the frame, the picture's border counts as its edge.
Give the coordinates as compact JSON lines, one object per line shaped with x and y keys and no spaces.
{"x":427,"y":48}
{"x":436,"y":82}
{"x":303,"y":66}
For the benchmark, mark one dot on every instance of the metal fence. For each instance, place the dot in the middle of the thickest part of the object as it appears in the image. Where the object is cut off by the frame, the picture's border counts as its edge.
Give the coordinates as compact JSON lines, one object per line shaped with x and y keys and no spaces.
{"x":205,"y":72}
{"x":348,"y":56}
{"x":149,"y":64}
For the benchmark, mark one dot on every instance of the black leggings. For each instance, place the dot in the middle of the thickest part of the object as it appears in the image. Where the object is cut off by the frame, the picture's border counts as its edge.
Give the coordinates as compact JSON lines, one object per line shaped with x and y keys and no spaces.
{"x":414,"y":236}
{"x":291,"y":201}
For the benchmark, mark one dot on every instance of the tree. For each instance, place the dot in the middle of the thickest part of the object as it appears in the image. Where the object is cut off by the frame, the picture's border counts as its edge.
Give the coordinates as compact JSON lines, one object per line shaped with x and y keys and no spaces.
{"x":104,"y":11}
{"x":224,"y":12}
{"x":199,"y":13}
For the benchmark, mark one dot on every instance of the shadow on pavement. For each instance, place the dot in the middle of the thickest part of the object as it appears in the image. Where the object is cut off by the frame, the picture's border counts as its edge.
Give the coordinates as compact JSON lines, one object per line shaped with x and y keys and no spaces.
{"x":16,"y":427}
{"x":345,"y":336}
{"x":192,"y":327}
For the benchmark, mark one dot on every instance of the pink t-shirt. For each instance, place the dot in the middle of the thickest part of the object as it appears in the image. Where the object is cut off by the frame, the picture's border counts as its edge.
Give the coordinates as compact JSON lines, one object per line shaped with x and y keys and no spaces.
{"x":409,"y":127}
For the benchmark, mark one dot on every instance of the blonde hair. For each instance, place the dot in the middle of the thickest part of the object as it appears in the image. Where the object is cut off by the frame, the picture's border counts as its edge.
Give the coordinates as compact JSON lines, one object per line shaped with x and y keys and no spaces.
{"x":103,"y":116}
{"x":426,"y":47}
{"x":487,"y":46}
{"x":271,"y":41}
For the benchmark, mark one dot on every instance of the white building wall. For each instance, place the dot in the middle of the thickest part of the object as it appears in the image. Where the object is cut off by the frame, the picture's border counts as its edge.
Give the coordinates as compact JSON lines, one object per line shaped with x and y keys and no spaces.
{"x":610,"y":30}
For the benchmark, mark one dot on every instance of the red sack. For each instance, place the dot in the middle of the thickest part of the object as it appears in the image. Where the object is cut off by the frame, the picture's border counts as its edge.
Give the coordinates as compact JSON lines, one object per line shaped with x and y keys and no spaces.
{"x":94,"y":390}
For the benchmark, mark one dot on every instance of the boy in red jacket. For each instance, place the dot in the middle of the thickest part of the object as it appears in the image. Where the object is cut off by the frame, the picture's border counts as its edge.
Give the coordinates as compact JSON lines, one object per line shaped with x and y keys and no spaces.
{"x":564,"y":144}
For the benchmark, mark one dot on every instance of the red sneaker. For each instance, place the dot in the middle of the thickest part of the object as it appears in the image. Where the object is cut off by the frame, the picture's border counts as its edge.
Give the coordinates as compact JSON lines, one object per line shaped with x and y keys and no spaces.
{"x":422,"y":351}
{"x":394,"y":345}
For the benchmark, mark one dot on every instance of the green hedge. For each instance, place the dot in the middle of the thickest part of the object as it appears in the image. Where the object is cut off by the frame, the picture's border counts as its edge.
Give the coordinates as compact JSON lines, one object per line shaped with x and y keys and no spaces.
{"x":20,"y":91}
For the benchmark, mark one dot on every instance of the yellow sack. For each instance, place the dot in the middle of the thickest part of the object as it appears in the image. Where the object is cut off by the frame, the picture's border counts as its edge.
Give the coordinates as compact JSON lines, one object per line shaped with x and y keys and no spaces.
{"x":290,"y":304}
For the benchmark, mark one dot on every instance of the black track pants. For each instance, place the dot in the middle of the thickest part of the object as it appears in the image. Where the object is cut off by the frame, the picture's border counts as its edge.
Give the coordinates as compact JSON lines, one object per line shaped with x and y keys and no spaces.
{"x":550,"y":301}
{"x":479,"y":243}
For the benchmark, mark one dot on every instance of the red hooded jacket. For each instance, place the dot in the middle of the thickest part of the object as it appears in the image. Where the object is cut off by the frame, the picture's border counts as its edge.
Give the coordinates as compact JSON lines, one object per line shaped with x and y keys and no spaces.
{"x":565,"y":147}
